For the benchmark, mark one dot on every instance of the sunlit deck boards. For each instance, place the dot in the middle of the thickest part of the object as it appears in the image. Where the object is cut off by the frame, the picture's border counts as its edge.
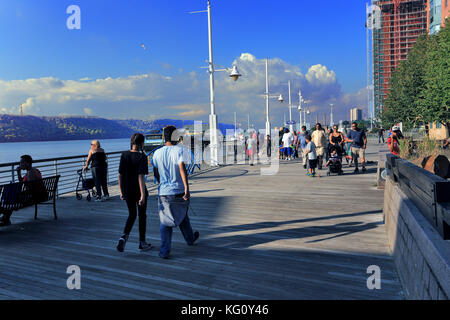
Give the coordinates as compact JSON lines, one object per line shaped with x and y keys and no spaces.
{"x":261,"y":237}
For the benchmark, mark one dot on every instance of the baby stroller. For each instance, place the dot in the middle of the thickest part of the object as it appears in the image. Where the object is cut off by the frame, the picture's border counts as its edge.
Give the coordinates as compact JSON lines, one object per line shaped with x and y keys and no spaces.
{"x":335,"y":166}
{"x":86,"y":185}
{"x":334,"y":163}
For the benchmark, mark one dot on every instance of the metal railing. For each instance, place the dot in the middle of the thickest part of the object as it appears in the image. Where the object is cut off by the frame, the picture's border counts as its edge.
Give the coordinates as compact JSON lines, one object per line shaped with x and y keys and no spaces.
{"x":66,"y":167}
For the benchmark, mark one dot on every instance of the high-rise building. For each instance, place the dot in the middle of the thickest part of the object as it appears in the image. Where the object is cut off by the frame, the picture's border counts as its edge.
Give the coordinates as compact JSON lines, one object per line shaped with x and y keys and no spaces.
{"x":437,"y":12}
{"x":401,"y":23}
{"x":355,"y":114}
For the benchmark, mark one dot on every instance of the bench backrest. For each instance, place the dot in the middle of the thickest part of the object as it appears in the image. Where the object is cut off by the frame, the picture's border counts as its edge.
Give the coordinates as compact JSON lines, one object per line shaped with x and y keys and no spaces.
{"x":17,"y":195}
{"x":9,"y":196}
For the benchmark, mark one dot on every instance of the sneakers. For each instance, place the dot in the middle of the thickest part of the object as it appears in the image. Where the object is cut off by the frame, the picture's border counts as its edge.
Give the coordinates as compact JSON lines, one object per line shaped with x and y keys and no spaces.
{"x":102,"y":198}
{"x":144,"y":246}
{"x":163,"y":257}
{"x":196,"y":236}
{"x":122,"y":242}
{"x":356,"y":171}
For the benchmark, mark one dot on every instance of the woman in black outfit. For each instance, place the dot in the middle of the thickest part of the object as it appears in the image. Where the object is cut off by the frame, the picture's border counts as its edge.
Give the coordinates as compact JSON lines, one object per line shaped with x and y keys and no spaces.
{"x":132,"y":171}
{"x":336,"y":140}
{"x":99,"y":169}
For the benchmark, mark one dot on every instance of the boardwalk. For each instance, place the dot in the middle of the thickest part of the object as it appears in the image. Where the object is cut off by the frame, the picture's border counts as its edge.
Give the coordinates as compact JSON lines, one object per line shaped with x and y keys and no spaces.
{"x":261,"y":237}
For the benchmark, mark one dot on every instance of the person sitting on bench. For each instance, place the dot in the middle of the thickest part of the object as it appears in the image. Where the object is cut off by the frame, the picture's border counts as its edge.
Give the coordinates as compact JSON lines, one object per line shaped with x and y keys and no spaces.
{"x":26,"y":163}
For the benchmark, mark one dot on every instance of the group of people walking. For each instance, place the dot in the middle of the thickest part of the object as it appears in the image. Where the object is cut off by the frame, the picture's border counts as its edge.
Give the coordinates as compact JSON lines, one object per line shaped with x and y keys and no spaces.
{"x":253,"y":145}
{"x":322,"y":145}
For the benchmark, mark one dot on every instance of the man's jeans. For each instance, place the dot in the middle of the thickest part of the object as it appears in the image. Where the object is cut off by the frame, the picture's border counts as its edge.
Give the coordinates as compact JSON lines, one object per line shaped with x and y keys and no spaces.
{"x":166,"y":236}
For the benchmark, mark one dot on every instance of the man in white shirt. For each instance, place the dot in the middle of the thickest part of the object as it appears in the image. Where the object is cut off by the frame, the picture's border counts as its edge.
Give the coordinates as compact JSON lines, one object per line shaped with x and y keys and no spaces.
{"x":320,"y":140}
{"x":288,"y":139}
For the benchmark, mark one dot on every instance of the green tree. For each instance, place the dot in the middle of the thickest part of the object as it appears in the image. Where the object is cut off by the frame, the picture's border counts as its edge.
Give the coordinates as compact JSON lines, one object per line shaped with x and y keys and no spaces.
{"x":404,"y":101}
{"x":435,"y":105}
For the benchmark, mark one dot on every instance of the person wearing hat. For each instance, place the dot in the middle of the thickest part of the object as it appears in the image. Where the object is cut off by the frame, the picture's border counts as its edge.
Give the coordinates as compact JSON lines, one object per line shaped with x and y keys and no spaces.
{"x":393,"y":141}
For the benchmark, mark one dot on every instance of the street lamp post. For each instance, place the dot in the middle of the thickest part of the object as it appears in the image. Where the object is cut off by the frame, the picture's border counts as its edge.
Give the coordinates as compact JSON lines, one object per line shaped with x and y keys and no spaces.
{"x":300,"y":100}
{"x":267,"y":99}
{"x":291,"y":126}
{"x":234,"y":74}
{"x":305,"y":112}
{"x":268,"y":96}
{"x":331,"y":115}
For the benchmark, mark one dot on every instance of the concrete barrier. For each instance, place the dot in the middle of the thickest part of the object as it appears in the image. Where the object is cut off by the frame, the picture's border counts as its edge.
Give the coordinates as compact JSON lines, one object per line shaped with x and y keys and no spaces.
{"x":421,"y":255}
{"x":381,"y":167}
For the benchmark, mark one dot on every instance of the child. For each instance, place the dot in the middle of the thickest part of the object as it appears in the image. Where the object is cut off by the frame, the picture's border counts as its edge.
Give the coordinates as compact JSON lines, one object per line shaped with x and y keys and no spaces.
{"x":334,"y":158}
{"x":310,"y":152}
{"x":334,"y":161}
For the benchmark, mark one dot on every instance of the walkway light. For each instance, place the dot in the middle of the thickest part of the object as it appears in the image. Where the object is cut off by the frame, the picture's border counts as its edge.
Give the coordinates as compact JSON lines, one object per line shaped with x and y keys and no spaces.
{"x":280,"y":98}
{"x":235,"y":73}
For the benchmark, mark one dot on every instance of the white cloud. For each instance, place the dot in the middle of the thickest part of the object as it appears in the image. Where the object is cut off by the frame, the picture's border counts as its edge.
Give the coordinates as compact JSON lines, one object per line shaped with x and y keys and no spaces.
{"x":319,"y":74}
{"x":155,"y":95}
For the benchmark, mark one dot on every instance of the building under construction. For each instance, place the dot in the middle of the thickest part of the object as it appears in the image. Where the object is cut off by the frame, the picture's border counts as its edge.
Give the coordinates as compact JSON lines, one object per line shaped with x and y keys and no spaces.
{"x":401,"y":23}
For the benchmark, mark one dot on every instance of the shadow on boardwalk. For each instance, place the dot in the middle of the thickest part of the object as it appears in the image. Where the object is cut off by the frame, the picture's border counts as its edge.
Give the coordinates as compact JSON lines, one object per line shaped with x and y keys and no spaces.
{"x":254,"y":244}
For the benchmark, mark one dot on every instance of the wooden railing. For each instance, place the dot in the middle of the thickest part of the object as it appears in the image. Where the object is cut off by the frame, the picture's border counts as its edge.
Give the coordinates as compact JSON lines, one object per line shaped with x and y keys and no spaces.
{"x":429,"y":193}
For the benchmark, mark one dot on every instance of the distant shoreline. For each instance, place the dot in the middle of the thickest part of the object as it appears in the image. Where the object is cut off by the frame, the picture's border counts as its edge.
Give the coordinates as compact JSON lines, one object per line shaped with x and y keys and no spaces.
{"x":71,"y":140}
{"x":14,"y":128}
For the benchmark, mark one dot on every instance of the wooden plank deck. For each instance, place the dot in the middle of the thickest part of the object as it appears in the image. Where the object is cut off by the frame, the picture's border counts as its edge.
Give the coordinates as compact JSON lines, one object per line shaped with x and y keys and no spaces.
{"x":286,"y":236}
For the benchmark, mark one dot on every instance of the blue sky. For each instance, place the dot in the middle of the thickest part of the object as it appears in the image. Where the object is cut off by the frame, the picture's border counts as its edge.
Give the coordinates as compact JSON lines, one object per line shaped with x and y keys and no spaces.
{"x":35,"y":42}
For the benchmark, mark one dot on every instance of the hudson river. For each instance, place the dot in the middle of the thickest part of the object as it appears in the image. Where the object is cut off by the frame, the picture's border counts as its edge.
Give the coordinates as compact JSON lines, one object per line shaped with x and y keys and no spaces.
{"x":11,"y":152}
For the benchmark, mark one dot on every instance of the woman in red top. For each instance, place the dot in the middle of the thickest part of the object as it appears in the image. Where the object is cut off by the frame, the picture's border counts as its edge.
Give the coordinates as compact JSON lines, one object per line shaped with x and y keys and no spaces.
{"x":393,"y":141}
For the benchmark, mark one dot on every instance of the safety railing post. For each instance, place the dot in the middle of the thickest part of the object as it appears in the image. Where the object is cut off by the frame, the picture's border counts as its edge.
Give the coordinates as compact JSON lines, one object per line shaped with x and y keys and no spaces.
{"x":55,"y":165}
{"x":13,"y":179}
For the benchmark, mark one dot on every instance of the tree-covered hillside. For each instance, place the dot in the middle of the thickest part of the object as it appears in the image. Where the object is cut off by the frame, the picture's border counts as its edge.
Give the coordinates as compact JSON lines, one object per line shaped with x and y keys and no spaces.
{"x":30,"y":128}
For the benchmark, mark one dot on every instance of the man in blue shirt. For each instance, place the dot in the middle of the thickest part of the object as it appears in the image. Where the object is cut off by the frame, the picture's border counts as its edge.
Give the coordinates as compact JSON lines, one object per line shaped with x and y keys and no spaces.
{"x":303,"y":143}
{"x":173,"y":201}
{"x":358,"y":139}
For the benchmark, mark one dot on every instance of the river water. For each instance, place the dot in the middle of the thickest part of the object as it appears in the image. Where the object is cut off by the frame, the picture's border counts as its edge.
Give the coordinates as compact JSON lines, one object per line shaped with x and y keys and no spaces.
{"x":11,"y":152}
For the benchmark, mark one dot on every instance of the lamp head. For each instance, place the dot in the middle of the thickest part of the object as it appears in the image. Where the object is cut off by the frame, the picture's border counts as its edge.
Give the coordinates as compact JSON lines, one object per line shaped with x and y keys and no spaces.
{"x":235,"y":73}
{"x":280,"y":98}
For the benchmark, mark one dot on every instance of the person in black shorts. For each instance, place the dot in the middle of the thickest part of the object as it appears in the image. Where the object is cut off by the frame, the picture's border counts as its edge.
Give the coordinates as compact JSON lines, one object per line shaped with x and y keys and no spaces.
{"x":132,"y":170}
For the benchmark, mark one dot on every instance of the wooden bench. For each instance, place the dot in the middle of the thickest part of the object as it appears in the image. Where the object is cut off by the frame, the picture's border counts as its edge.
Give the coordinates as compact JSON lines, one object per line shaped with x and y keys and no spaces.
{"x":18,"y":195}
